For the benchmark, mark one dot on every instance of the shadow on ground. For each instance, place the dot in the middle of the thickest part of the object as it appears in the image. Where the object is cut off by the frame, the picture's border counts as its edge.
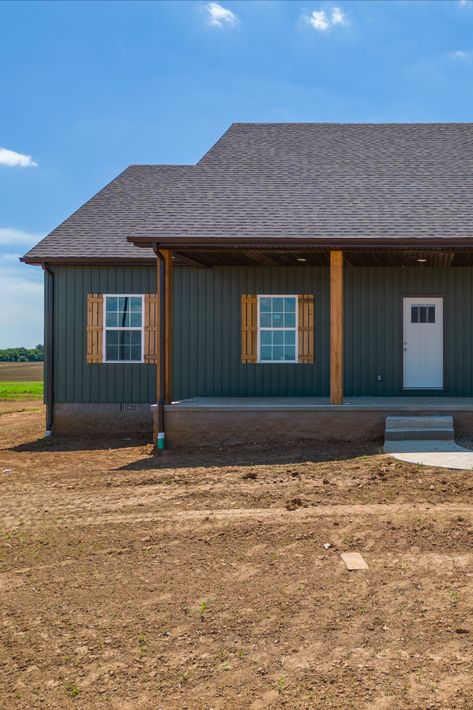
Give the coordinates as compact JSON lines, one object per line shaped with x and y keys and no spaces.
{"x":252,"y":455}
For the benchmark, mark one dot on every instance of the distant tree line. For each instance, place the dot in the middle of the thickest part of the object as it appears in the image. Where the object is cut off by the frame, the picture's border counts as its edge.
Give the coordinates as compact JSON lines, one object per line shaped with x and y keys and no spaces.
{"x":22,"y":354}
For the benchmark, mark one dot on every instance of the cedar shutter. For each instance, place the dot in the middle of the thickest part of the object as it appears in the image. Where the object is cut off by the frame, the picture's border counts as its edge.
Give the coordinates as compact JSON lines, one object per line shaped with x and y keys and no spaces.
{"x":305,"y":327}
{"x":249,"y":328}
{"x":94,"y":328}
{"x":150,"y":323}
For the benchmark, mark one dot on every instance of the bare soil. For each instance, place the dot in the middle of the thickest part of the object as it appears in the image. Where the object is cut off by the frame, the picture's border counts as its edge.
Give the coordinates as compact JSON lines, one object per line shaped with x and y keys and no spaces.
{"x":21,"y":371}
{"x":199,"y":579}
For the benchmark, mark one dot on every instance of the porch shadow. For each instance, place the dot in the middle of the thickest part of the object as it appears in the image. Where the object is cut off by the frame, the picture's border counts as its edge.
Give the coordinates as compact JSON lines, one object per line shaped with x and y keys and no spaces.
{"x":253,"y":455}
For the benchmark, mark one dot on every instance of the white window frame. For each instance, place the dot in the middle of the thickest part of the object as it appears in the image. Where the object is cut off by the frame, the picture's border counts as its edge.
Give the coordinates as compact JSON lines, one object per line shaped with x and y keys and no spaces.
{"x":105,"y":328}
{"x":259,"y":329}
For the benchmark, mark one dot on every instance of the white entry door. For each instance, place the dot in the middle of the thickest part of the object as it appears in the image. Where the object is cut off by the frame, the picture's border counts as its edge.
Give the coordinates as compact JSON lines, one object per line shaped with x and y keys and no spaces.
{"x":423,"y":343}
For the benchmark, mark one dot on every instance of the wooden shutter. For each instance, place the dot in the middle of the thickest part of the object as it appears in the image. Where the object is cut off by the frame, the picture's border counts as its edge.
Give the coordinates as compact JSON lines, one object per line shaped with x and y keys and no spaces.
{"x":94,"y":327}
{"x":249,"y":328}
{"x":150,"y":323}
{"x":305,"y":327}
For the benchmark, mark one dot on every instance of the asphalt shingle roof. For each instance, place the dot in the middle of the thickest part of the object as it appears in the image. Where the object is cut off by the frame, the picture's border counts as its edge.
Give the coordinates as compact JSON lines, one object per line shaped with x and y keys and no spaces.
{"x":99,"y":229}
{"x":327,"y":181}
{"x":286,"y":181}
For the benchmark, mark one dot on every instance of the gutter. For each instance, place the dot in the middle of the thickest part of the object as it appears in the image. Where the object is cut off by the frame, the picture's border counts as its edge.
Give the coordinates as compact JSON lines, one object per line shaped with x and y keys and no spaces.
{"x":49,"y":321}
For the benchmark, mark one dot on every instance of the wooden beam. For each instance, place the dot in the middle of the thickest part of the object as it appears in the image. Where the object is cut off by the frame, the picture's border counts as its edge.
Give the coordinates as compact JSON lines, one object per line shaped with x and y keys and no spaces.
{"x":336,"y":327}
{"x":167,"y":253}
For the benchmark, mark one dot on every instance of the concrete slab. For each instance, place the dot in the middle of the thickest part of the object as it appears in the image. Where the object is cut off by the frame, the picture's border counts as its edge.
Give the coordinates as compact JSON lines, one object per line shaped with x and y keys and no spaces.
{"x":353,"y":561}
{"x":441,"y":454}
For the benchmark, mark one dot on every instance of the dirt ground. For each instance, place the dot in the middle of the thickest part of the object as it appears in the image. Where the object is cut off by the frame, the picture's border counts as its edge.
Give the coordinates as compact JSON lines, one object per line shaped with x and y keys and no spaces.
{"x":199,"y":579}
{"x":21,"y":371}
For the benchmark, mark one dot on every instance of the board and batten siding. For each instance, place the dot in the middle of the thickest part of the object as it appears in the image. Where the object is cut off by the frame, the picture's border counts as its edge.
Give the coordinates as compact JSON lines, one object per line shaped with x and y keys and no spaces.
{"x":373,"y":328}
{"x":207,"y":333}
{"x":74,"y":379}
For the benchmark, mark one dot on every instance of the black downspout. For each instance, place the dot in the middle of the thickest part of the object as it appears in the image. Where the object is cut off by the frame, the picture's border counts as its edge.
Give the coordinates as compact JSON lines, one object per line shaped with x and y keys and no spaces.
{"x":161,"y":437}
{"x":49,"y":328}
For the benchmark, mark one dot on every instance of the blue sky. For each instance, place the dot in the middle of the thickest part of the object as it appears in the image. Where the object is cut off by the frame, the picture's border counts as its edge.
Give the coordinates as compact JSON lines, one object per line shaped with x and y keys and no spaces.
{"x":89,"y":87}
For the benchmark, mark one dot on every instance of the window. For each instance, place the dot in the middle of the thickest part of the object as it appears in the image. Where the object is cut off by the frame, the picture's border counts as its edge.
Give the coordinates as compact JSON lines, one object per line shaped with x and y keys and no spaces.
{"x":123,"y":332}
{"x":421,"y":313}
{"x":277,"y":328}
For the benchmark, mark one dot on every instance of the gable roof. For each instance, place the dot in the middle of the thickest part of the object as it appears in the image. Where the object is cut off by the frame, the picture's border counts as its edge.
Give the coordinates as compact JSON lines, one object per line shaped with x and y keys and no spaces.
{"x":309,"y":181}
{"x":284,"y":183}
{"x":99,"y":229}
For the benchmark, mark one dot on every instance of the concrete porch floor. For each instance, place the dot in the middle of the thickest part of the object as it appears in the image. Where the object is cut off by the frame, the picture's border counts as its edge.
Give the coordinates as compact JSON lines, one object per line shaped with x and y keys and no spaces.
{"x":204,"y":421}
{"x":368,"y":404}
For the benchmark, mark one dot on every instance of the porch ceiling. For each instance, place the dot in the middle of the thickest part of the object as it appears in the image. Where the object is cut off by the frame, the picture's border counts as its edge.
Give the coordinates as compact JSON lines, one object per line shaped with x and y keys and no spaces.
{"x":317,"y":257}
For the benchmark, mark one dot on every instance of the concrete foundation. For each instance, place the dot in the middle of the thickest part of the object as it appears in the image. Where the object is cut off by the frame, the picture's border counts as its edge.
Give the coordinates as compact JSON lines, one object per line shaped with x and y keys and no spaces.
{"x":70,"y":419}
{"x":226,"y":421}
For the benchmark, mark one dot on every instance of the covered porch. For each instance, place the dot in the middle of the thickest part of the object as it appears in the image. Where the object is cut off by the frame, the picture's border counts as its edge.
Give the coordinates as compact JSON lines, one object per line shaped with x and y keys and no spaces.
{"x":357,"y":376}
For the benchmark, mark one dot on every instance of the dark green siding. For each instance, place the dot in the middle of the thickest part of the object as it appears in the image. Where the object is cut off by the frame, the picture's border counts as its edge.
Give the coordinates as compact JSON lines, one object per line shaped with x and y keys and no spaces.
{"x":206,"y":355}
{"x":373,"y":327}
{"x":74,"y":379}
{"x":207,"y":337}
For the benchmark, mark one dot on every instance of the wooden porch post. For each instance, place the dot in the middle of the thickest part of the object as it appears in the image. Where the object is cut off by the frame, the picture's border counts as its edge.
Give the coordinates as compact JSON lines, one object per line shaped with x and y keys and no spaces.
{"x":336,"y":327}
{"x":168,"y":305}
{"x":167,"y":253}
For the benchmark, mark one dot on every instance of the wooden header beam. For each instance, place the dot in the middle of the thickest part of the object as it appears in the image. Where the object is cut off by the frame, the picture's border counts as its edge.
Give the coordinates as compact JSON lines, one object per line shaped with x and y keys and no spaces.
{"x":336,"y":327}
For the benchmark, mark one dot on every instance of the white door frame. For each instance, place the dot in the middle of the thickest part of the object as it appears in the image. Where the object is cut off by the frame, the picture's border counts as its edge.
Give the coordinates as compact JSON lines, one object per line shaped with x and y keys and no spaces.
{"x":437,"y":346}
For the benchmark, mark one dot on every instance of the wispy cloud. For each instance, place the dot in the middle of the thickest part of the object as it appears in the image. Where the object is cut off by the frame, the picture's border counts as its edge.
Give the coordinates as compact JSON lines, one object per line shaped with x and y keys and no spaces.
{"x":460,"y":54}
{"x":324,"y":21}
{"x":464,"y":3}
{"x":12,"y":159}
{"x":220,"y":16}
{"x":17,"y":237}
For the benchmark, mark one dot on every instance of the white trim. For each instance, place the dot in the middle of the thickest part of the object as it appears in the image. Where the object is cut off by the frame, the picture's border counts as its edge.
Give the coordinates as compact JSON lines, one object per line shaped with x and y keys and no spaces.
{"x":295,"y":329}
{"x":105,"y":328}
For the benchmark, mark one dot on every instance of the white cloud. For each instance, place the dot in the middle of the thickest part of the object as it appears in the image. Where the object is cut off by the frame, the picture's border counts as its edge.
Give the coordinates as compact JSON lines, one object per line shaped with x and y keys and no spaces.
{"x":17,"y":237}
{"x":338,"y":17}
{"x":12,"y":159}
{"x":220,"y":16}
{"x":464,"y":3}
{"x":319,"y":21}
{"x":323,"y":22}
{"x":461,"y":54}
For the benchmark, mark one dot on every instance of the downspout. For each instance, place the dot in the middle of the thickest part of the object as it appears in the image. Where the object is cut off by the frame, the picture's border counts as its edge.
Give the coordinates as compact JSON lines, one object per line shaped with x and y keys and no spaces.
{"x":161,"y":437}
{"x":49,"y":392}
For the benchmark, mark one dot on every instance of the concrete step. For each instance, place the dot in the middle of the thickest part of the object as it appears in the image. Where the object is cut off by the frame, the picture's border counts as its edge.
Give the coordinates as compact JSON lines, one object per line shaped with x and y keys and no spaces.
{"x":419,"y":428}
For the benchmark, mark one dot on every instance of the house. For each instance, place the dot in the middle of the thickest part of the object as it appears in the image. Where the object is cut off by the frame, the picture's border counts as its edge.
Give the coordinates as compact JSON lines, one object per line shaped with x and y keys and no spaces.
{"x":301,"y":280}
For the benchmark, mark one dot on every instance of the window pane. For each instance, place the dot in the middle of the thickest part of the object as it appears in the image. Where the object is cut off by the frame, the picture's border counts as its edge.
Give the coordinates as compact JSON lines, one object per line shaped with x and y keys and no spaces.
{"x":265,"y":337}
{"x":277,"y":320}
{"x":265,"y":305}
{"x":265,"y":352}
{"x":278,"y":337}
{"x":265,"y":320}
{"x":431,"y":314}
{"x":290,"y":305}
{"x":422,"y":314}
{"x":289,"y":320}
{"x":290,"y":337}
{"x":278,"y":305}
{"x":112,"y":304}
{"x":278,"y":352}
{"x":290,"y":353}
{"x":414,"y":314}
{"x":112,"y":337}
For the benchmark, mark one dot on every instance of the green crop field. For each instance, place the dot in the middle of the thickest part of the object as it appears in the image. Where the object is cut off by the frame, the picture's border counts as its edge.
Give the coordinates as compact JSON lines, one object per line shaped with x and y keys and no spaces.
{"x":21,"y":390}
{"x":21,"y":380}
